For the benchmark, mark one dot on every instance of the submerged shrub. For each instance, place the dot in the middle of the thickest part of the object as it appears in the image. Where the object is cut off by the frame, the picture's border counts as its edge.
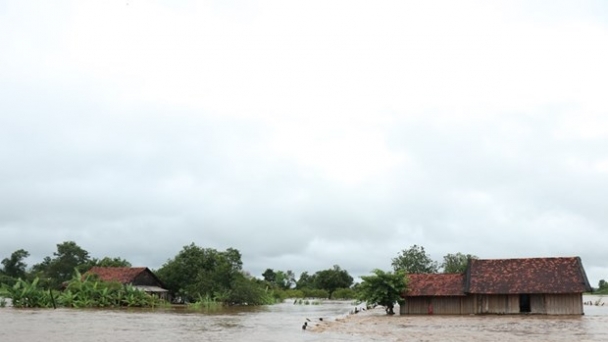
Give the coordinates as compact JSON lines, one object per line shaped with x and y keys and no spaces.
{"x":343,"y":294}
{"x":80,"y":292}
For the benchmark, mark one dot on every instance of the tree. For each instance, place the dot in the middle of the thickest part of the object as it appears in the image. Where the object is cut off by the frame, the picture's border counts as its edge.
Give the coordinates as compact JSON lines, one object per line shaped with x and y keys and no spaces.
{"x":14,"y":266}
{"x":197,"y":271}
{"x":414,"y":260}
{"x":306,"y":281}
{"x":269,"y":275}
{"x":290,"y":278}
{"x":279,"y":279}
{"x":332,"y":279}
{"x":69,"y":256}
{"x":456,"y":263}
{"x":383,"y":288}
{"x":108,"y":262}
{"x":602,"y":285}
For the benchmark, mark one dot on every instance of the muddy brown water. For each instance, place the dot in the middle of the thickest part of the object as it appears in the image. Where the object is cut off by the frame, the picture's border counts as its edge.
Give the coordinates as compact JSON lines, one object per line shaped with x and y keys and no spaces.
{"x":283,"y":322}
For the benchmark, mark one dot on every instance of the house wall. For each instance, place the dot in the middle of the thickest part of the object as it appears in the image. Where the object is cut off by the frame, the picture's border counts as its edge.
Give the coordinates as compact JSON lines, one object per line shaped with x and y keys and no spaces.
{"x":496,"y":304}
{"x":543,"y":304}
{"x":146,"y":279}
{"x":443,"y":305}
{"x":564,"y":304}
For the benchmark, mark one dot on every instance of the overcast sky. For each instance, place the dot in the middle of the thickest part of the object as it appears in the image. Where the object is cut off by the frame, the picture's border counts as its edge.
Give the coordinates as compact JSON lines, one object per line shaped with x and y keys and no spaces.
{"x":305,"y":134}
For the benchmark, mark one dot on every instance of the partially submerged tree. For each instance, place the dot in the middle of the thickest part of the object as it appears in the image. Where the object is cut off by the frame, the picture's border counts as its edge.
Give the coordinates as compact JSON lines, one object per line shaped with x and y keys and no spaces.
{"x":279,"y":279}
{"x":197,"y":272}
{"x":306,"y":281}
{"x":333,"y":279}
{"x":383,"y":288}
{"x":602,"y":287}
{"x":414,"y":260}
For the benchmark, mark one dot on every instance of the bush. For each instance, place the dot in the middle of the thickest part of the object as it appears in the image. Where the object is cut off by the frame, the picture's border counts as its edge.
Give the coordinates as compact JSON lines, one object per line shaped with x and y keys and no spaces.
{"x":343,"y":294}
{"x":6,"y":280}
{"x":249,"y":292}
{"x":315,"y":293}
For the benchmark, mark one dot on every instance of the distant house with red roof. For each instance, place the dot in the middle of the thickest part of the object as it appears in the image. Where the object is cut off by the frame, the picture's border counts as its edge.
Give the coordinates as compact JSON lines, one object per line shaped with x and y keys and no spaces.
{"x":139,"y":277}
{"x":551,"y":286}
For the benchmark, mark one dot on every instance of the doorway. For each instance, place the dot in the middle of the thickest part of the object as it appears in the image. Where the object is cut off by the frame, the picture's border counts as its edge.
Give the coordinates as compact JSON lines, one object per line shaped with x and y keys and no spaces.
{"x":524,"y":303}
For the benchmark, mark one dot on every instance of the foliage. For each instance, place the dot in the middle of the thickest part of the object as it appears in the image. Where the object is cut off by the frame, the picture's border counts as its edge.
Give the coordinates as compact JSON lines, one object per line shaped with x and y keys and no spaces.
{"x":291,"y":293}
{"x":332,"y":279}
{"x":107,"y":262}
{"x":80,"y":292}
{"x":383,"y":288}
{"x":306,"y":281}
{"x":69,"y":256}
{"x":269,"y":275}
{"x":285,"y":280}
{"x":343,"y":294}
{"x":205,"y":302}
{"x":29,"y":295}
{"x":315,"y":293}
{"x":14,"y":266}
{"x":279,"y":279}
{"x":247,"y":291}
{"x":456,"y":263}
{"x":197,"y":272}
{"x":301,"y":301}
{"x":6,"y":280}
{"x":414,"y":260}
{"x":602,"y":287}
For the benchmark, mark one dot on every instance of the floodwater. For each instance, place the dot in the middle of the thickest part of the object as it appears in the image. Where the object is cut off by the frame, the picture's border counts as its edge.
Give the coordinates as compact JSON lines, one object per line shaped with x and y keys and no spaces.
{"x":283,"y":322}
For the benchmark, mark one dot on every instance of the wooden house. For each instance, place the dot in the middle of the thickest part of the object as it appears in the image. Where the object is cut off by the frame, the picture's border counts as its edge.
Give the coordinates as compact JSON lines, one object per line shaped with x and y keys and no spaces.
{"x":436,"y":294}
{"x":552,"y":286}
{"x":139,"y":277}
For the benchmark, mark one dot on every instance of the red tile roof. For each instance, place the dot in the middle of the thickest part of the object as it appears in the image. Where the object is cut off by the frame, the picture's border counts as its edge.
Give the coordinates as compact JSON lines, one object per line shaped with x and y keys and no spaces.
{"x":532,"y":275}
{"x":435,"y":285}
{"x":123,"y":275}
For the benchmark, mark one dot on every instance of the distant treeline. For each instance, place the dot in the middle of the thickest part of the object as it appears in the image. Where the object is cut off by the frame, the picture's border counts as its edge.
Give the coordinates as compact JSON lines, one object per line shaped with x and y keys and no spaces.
{"x":195,"y":274}
{"x":209,"y":277}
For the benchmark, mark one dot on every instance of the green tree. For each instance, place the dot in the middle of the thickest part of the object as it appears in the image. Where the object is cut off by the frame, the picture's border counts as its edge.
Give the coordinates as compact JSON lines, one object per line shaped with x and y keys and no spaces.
{"x":305,"y":281}
{"x":60,"y":268}
{"x":456,"y":263}
{"x":414,"y":260}
{"x":247,"y":290}
{"x":279,"y":279}
{"x":205,"y":272}
{"x":290,"y":279}
{"x":332,"y":279}
{"x":15,"y":266}
{"x":602,"y":285}
{"x":269,"y":275}
{"x":108,"y":262}
{"x":284,"y":280}
{"x":383,"y":288}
